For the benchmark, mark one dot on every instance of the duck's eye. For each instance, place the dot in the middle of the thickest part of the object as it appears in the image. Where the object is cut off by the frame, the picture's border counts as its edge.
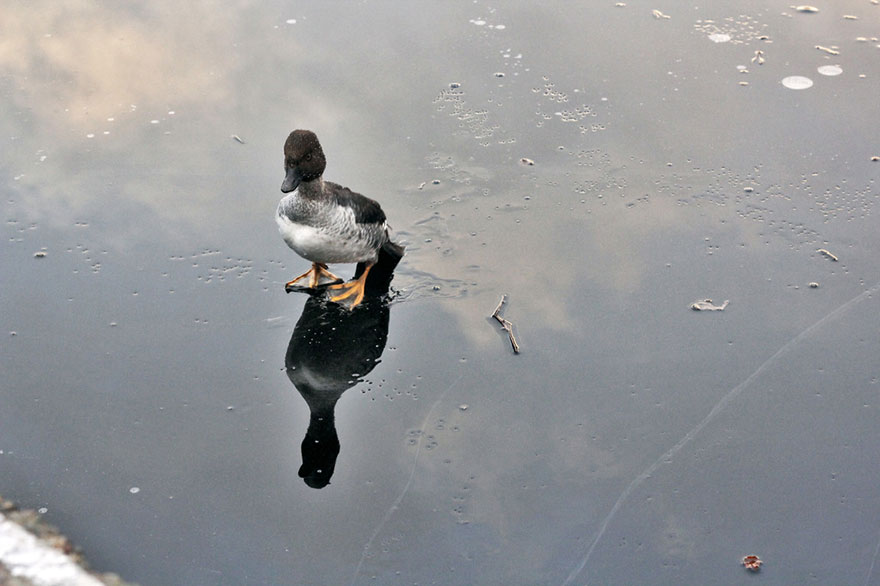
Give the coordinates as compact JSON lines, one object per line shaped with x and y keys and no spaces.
{"x":309,"y":157}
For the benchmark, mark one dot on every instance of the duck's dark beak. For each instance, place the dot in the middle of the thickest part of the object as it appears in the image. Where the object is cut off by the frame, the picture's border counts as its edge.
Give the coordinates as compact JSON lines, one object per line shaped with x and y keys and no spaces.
{"x":291,"y":180}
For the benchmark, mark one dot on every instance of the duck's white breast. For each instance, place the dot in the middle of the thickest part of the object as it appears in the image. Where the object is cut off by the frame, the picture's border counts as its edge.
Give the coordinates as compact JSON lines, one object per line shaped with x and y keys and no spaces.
{"x":324,"y":245}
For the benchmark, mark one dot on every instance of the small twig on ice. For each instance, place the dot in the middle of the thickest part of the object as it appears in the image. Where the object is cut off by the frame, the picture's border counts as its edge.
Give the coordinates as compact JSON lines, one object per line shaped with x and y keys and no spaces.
{"x":506,"y":325}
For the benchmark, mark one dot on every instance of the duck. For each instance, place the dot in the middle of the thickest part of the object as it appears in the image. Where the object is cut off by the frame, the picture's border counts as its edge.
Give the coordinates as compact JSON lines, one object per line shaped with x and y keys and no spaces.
{"x":326,"y":223}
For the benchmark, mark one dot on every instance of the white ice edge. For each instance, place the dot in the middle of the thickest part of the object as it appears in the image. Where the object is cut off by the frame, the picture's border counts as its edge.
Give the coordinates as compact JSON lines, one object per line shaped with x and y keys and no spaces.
{"x":25,"y":556}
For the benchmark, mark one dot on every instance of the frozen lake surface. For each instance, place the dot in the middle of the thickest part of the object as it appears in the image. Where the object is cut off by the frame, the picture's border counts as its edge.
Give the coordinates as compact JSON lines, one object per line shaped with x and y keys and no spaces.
{"x":604,"y":166}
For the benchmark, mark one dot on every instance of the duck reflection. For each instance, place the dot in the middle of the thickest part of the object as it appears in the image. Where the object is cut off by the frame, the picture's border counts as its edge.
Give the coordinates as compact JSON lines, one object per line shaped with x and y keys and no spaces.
{"x":332,"y":348}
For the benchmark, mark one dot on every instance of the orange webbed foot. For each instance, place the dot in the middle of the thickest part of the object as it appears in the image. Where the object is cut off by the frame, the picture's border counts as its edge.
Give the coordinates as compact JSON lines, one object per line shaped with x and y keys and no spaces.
{"x":352,"y":289}
{"x":315,"y":274}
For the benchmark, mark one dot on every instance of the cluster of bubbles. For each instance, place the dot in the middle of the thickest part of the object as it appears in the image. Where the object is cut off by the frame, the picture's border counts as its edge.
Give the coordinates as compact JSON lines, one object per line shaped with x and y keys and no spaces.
{"x":577,"y":114}
{"x":475,"y":121}
{"x":736,"y":30}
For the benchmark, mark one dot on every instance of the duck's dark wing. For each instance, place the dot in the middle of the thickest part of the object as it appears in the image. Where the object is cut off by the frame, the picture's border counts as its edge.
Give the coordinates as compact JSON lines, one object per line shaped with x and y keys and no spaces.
{"x":366,"y":210}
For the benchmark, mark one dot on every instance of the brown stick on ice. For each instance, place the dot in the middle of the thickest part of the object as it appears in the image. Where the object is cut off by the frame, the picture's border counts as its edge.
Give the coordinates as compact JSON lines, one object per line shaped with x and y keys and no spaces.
{"x":506,"y":325}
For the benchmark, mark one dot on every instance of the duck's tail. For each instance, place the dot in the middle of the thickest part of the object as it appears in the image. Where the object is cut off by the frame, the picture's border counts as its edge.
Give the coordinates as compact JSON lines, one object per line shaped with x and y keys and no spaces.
{"x":392,"y":250}
{"x":379,"y":279}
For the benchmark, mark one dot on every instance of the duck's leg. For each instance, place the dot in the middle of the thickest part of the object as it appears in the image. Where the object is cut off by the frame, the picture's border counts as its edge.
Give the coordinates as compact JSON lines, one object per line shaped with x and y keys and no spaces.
{"x":352,"y":288}
{"x":314,"y":274}
{"x":319,"y":270}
